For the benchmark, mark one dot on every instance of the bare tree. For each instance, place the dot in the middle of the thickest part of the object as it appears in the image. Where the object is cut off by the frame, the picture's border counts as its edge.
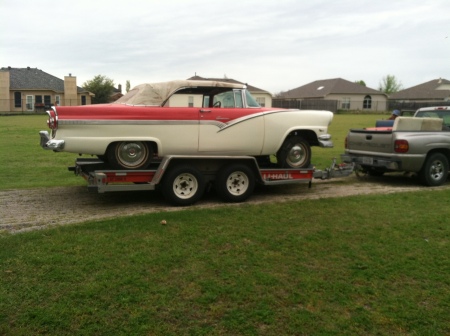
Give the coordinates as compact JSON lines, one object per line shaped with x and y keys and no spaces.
{"x":390,"y":84}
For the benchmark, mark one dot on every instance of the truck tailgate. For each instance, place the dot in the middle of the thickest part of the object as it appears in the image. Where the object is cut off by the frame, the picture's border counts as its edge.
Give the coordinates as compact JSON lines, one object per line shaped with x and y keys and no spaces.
{"x":370,"y":141}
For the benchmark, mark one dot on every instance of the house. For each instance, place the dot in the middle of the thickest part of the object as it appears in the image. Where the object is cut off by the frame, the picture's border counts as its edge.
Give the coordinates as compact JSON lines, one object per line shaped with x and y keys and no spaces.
{"x":436,"y":90}
{"x":263,"y":98}
{"x":30,"y":89}
{"x":348,"y":95}
{"x":116,"y":94}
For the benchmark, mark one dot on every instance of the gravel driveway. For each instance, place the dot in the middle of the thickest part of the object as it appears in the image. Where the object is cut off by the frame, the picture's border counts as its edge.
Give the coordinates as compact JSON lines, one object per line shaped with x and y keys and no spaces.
{"x":28,"y":209}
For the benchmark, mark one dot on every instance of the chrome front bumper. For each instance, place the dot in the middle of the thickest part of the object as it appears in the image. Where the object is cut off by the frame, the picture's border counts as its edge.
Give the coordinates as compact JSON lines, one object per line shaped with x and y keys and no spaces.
{"x":49,"y":144}
{"x":325,"y":141}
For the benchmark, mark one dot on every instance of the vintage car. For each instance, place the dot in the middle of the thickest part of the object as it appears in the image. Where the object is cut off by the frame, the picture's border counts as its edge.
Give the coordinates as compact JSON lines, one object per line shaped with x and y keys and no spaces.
{"x":186,"y":117}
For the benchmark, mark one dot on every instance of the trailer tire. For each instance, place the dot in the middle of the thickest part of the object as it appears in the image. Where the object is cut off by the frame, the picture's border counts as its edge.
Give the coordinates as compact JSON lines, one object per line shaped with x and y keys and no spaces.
{"x":294,"y":153}
{"x":235,"y":182}
{"x":129,"y":155}
{"x":183,"y":185}
{"x":435,"y":170}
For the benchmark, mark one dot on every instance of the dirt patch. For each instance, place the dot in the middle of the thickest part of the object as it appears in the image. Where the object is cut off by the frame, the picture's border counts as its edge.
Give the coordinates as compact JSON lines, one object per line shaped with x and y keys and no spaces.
{"x":30,"y":209}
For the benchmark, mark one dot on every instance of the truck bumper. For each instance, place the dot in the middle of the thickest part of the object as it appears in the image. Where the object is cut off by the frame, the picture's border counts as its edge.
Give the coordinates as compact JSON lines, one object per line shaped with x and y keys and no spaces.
{"x":374,"y":162}
{"x":49,"y":144}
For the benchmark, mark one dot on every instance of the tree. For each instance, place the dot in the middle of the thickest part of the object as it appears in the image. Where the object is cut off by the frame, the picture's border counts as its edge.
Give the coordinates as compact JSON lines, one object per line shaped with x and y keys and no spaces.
{"x":127,"y":86}
{"x":102,"y":87}
{"x":361,"y":82}
{"x":390,"y":84}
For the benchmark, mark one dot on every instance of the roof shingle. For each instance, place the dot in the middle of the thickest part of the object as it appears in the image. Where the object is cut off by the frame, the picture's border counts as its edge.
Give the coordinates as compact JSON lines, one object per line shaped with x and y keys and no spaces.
{"x":35,"y":79}
{"x":322,"y":88}
{"x":434,"y":89}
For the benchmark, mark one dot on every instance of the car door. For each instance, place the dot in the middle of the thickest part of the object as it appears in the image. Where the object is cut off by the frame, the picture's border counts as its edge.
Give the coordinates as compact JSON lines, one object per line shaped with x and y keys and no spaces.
{"x":233,"y":130}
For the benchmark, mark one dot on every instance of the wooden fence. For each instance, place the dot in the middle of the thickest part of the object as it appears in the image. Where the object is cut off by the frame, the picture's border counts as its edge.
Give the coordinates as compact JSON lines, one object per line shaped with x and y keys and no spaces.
{"x":307,"y":104}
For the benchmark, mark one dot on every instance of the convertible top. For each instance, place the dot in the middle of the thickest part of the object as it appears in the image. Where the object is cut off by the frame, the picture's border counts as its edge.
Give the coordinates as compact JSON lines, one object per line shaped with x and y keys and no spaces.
{"x":156,"y":94}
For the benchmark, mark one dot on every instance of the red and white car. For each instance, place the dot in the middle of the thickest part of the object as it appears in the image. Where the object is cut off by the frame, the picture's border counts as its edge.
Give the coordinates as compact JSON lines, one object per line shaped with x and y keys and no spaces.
{"x":186,"y":118}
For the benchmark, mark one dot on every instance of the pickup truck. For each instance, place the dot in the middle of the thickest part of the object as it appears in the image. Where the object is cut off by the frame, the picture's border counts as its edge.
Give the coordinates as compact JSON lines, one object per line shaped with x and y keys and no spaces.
{"x":418,"y":144}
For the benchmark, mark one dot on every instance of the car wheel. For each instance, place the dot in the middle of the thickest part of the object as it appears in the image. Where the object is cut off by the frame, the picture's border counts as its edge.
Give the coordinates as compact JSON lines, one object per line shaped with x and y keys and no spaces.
{"x":435,"y":170}
{"x":129,"y":155}
{"x":235,"y":183}
{"x":294,"y":153}
{"x":183,"y":185}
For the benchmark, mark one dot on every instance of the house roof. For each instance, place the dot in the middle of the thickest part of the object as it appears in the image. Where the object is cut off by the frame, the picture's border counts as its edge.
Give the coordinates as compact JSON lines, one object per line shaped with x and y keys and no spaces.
{"x":325,"y":87}
{"x":434,"y":89}
{"x":230,"y":80}
{"x":35,"y":79}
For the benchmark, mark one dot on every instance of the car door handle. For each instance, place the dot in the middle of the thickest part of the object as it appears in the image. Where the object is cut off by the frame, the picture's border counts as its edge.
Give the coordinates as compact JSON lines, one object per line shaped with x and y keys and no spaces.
{"x":205,"y":111}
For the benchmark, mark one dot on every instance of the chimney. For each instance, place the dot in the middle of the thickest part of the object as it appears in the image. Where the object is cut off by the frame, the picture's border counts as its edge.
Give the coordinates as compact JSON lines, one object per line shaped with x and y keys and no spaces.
{"x":120,"y":88}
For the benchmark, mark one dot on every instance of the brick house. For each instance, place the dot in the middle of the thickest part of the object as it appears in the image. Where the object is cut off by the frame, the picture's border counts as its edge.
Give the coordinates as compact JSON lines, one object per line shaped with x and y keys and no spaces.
{"x":31,"y":89}
{"x":436,"y":90}
{"x":348,"y":95}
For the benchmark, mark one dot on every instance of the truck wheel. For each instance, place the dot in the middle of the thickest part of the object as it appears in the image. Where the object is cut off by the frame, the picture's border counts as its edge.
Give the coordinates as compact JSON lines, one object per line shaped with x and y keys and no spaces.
{"x":435,"y":170}
{"x":235,"y":183}
{"x":294,"y":153}
{"x":183,"y":185}
{"x":129,"y":155}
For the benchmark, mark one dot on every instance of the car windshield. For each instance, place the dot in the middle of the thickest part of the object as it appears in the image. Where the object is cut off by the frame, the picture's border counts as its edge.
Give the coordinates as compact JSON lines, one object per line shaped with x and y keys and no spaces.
{"x":232,"y":99}
{"x":251,"y":102}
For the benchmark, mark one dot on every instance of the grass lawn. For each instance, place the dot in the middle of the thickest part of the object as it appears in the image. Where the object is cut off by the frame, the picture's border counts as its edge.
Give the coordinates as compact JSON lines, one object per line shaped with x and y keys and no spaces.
{"x":24,"y":164}
{"x":365,"y":265}
{"x":373,"y":265}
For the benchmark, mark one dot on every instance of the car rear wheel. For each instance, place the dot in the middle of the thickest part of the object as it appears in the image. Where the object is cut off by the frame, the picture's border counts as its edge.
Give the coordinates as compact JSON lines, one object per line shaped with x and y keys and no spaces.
{"x":235,"y":183}
{"x":183,"y":185}
{"x":129,"y":155}
{"x":294,"y":153}
{"x":435,"y":170}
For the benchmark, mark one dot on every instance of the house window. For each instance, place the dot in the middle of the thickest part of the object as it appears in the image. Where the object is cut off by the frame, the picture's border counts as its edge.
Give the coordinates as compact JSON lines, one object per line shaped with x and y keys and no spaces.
{"x":47,"y":100}
{"x":345,"y":103}
{"x":38,"y":99}
{"x":17,"y":99}
{"x":367,"y":104}
{"x":83,"y":100}
{"x":30,"y":103}
{"x":261,"y":101}
{"x":57,"y":100}
{"x":190,"y":101}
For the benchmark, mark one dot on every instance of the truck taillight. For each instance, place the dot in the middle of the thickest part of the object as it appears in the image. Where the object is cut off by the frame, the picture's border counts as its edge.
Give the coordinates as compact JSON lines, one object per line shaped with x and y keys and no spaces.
{"x":401,"y":146}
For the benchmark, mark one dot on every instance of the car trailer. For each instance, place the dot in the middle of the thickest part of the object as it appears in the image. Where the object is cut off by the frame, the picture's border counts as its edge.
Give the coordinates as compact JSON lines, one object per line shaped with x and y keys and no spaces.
{"x":183,"y":179}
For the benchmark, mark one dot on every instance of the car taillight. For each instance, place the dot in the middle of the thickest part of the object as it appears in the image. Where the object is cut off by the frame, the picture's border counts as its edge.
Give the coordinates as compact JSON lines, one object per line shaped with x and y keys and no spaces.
{"x":401,"y":146}
{"x":52,"y":121}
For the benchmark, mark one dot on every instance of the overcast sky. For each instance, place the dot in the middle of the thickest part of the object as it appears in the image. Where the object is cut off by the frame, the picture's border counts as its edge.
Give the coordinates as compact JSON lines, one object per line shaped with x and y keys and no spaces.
{"x":274,"y":45}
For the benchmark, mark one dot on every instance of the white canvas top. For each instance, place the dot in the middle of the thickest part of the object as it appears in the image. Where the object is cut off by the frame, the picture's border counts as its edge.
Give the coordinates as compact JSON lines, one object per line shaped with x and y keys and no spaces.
{"x":155,"y":94}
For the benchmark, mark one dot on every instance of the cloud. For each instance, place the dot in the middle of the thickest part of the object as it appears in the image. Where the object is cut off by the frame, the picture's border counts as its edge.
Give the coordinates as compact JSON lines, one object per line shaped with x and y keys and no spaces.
{"x":274,"y":45}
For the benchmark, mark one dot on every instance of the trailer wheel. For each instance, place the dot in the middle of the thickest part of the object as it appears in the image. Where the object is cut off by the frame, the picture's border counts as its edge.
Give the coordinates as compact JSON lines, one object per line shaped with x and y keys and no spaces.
{"x":435,"y":170}
{"x":235,"y":183}
{"x":294,"y":153}
{"x":183,"y":185}
{"x":129,"y":155}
